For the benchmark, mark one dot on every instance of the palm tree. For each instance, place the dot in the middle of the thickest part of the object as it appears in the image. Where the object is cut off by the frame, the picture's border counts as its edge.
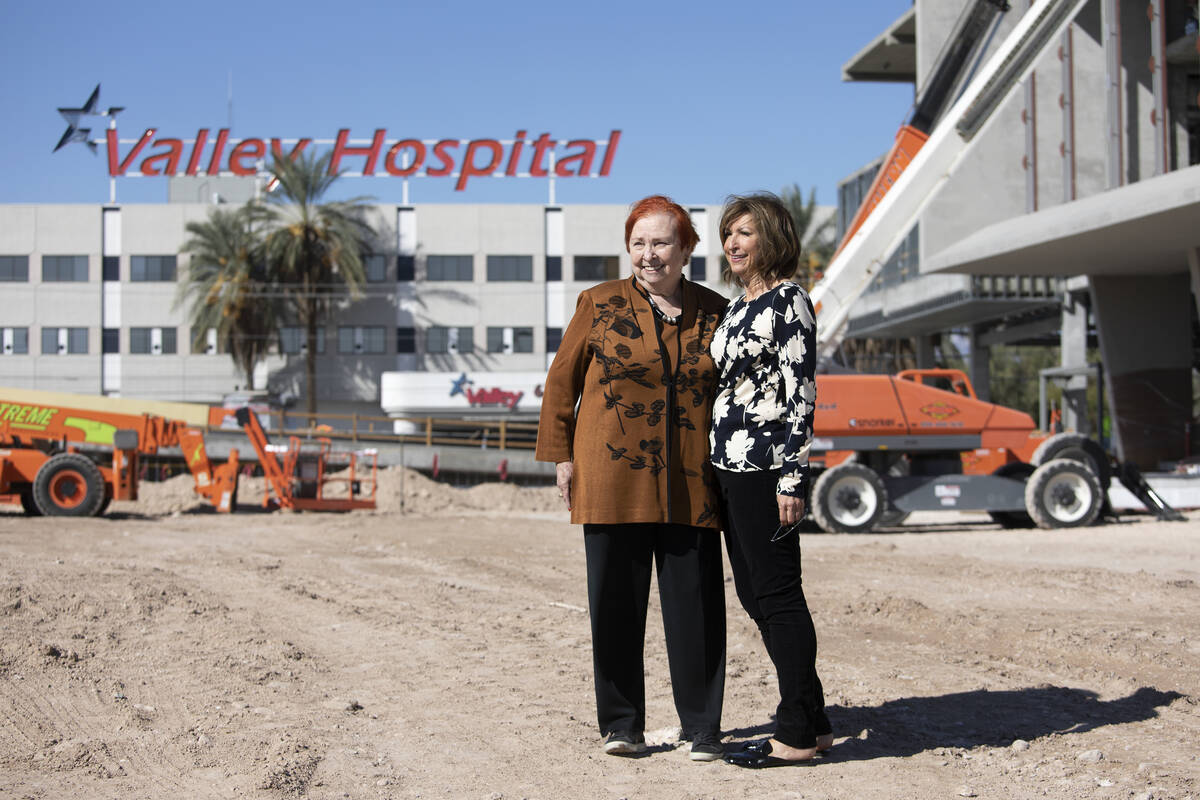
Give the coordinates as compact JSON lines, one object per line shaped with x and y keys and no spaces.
{"x":817,"y":237}
{"x":228,"y":287}
{"x":313,"y":250}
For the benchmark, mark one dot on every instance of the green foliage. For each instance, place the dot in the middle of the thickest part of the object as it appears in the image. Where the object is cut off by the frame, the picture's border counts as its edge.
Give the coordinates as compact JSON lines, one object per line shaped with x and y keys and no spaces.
{"x":817,"y":237}
{"x":227,"y":286}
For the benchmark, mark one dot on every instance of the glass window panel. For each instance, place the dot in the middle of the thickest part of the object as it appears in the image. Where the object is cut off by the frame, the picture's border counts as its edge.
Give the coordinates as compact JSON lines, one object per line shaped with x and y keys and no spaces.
{"x":522,"y":340}
{"x":20,"y":341}
{"x":554,"y":268}
{"x":698,"y":268}
{"x":169,"y":344}
{"x":449,"y":268}
{"x":495,"y":340}
{"x":77,"y":340}
{"x":406,"y":268}
{"x":110,"y":268}
{"x":110,"y":340}
{"x":437,"y":340}
{"x":14,"y":269}
{"x":597,"y":268}
{"x":139,"y":340}
{"x":345,"y":339}
{"x":373,"y":339}
{"x":510,"y":268}
{"x":466,"y":340}
{"x":49,"y":341}
{"x":375,"y":267}
{"x":553,"y":339}
{"x":406,"y":340}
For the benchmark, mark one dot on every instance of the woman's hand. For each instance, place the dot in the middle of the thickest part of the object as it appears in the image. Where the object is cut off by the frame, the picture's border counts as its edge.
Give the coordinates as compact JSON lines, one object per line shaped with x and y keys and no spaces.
{"x":564,"y":470}
{"x":791,"y":509}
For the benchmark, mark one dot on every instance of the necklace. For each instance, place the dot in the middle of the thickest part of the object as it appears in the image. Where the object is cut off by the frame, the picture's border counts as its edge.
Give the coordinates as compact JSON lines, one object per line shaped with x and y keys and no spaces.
{"x":660,"y":313}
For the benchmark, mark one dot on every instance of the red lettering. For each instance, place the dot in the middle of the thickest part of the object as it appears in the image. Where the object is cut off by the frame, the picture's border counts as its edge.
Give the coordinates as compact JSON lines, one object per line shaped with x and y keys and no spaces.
{"x":171,"y":155}
{"x":493,"y":397}
{"x":439,"y":152}
{"x":389,"y":163}
{"x":246,"y":148}
{"x":468,"y":166}
{"x":609,"y":151}
{"x":518,"y":143}
{"x":277,"y":149}
{"x":197,"y":149}
{"x":340,"y":148}
{"x":540,"y":146}
{"x":118,"y":168}
{"x":584,"y":157}
{"x":214,"y":164}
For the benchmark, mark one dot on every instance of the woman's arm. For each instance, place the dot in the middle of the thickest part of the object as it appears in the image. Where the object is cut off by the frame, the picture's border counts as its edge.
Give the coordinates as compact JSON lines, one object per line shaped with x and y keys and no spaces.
{"x":795,"y":335}
{"x":564,"y":384}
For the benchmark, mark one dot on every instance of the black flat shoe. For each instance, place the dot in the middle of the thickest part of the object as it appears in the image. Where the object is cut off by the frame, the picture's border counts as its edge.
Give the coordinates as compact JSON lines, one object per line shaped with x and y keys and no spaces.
{"x":757,"y":755}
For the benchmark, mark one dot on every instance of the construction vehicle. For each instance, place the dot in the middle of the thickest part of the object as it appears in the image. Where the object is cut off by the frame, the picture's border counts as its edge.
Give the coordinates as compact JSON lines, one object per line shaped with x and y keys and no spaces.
{"x":888,"y":445}
{"x":60,"y":461}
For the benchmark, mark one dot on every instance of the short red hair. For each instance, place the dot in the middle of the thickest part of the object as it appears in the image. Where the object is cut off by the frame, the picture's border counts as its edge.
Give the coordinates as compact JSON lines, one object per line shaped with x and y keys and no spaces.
{"x":661,"y":204}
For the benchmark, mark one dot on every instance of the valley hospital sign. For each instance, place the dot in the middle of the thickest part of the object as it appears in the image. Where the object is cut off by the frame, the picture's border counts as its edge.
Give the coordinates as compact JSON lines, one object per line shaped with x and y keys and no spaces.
{"x":519,"y":157}
{"x":379,"y":155}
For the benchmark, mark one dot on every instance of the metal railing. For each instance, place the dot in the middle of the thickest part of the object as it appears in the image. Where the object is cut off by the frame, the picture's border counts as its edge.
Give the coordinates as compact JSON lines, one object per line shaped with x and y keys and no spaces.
{"x":486,"y":434}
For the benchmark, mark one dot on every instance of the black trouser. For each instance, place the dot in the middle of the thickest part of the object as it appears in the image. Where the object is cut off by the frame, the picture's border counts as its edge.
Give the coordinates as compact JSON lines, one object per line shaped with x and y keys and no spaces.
{"x":687,"y":561}
{"x":769,"y":586}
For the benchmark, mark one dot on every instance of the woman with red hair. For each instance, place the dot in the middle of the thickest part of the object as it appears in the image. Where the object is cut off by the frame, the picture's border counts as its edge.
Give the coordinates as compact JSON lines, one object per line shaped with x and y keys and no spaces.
{"x":625,"y":415}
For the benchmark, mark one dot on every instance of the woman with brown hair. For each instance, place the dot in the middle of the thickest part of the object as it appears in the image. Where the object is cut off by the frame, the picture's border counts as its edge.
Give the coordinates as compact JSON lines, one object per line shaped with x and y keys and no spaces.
{"x":765,"y":350}
{"x":625,"y":415}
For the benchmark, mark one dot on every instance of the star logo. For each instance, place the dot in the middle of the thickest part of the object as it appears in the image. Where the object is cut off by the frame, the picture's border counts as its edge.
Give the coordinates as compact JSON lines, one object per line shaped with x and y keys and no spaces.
{"x":74,"y":118}
{"x":459,"y":386}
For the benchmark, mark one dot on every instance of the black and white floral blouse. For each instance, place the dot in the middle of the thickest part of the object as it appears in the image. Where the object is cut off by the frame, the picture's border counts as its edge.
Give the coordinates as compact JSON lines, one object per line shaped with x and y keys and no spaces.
{"x":765,"y":352}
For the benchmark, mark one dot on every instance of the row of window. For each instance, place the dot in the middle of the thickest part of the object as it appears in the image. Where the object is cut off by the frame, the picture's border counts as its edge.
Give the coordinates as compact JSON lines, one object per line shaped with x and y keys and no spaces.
{"x":72,"y":341}
{"x":57,"y":269}
{"x":351,"y":339}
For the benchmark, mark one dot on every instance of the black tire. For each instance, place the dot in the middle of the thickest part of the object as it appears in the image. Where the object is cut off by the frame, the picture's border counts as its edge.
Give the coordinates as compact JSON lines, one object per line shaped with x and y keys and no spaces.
{"x":1063,"y":493}
{"x":1013,"y":519}
{"x":28,"y":503}
{"x":849,"y":498}
{"x":1077,"y":447}
{"x":69,"y":485}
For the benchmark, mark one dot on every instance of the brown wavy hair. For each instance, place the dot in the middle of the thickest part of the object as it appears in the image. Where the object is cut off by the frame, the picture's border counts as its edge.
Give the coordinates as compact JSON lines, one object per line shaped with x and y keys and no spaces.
{"x":778,"y":245}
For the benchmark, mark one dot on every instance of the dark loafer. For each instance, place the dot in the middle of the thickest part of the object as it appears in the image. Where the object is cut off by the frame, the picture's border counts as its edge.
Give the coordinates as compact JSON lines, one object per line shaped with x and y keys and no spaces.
{"x":757,"y":755}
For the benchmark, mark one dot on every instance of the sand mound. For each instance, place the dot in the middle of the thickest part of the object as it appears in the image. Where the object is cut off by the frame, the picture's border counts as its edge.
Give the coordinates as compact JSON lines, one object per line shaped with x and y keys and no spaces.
{"x":400,"y":490}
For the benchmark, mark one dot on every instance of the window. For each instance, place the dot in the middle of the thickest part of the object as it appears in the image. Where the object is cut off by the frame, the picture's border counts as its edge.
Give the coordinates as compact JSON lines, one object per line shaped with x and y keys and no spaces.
{"x":439,"y":339}
{"x":152,"y":268}
{"x":510,"y":268}
{"x":152,"y":341}
{"x":375,"y":268}
{"x":64,"y":268}
{"x":554,"y":268}
{"x":57,"y":341}
{"x":449,"y":268}
{"x":204,"y":341}
{"x":553,"y":339}
{"x":698,"y":268}
{"x":14,"y":269}
{"x":510,"y":340}
{"x":292,"y":340}
{"x":597,"y":268}
{"x":406,"y":340}
{"x":110,"y":340}
{"x":15,"y":341}
{"x":406,"y":268}
{"x":110,"y":268}
{"x":361,"y":339}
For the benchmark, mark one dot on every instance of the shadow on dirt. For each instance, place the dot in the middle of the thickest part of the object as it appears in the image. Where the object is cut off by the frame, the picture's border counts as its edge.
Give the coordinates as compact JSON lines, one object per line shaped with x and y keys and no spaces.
{"x":981,"y":718}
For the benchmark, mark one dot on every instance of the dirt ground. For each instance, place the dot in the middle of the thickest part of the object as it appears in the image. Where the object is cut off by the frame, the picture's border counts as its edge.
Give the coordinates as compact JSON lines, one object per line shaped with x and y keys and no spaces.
{"x":439,"y":648}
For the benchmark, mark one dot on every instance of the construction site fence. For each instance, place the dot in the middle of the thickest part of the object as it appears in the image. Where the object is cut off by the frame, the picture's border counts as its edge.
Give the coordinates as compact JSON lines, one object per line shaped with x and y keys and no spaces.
{"x":365,"y":429}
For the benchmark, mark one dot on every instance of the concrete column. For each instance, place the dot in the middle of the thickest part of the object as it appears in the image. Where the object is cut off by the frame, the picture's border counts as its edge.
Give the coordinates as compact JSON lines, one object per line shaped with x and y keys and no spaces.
{"x":980,"y":366}
{"x":925,"y":354}
{"x":1146,"y":346}
{"x":1073,"y":348}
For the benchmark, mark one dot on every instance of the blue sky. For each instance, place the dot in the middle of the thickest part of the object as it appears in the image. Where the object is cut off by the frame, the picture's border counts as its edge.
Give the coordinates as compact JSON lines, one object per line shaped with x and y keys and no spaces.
{"x":711,"y":98}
